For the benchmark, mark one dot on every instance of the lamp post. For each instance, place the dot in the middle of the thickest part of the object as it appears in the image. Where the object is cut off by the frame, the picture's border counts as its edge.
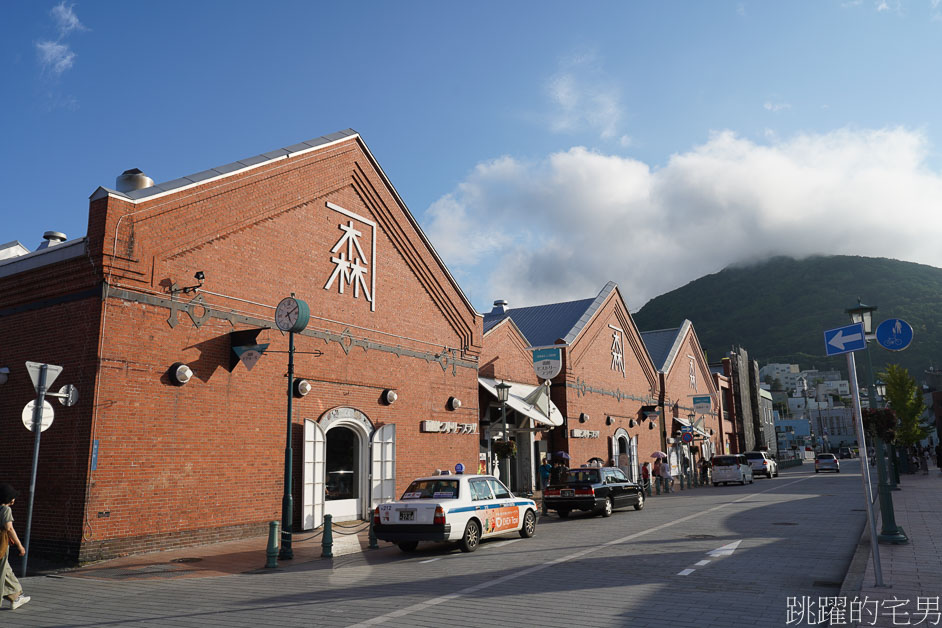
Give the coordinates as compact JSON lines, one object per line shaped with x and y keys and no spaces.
{"x":890,"y":533}
{"x":503,"y":393}
{"x":893,"y":471}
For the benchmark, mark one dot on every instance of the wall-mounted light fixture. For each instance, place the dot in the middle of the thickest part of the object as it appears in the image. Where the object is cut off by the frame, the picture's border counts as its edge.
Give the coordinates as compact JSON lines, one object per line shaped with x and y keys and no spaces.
{"x":390,"y":396}
{"x":609,"y":421}
{"x":180,"y":373}
{"x":454,"y":403}
{"x":631,"y":422}
{"x":583,"y":417}
{"x":199,"y":276}
{"x":4,"y":374}
{"x":652,"y":425}
{"x":301,"y":387}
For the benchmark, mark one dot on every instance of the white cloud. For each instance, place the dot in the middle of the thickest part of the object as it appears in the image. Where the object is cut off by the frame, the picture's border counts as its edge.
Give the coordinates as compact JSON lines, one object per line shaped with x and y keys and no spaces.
{"x":559,"y":228}
{"x":776,"y":107}
{"x":55,"y":57}
{"x":65,"y":19}
{"x":584,"y":98}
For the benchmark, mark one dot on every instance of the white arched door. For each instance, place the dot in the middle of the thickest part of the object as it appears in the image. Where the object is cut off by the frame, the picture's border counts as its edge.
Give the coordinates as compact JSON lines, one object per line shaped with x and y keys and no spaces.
{"x":312,"y":476}
{"x":383,"y":466}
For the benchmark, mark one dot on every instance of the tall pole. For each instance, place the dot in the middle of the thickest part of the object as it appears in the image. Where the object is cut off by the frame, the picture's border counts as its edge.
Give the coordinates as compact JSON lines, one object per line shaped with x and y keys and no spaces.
{"x":287,"y":503}
{"x":865,"y":476}
{"x":505,"y":462}
{"x":38,"y":430}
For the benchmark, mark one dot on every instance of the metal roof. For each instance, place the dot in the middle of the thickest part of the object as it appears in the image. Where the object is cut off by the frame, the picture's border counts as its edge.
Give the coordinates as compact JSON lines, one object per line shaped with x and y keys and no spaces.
{"x":545,"y":324}
{"x":664,"y":344}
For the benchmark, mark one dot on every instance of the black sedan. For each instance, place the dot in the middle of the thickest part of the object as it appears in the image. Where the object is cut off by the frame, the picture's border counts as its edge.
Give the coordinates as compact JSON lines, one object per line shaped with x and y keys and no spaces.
{"x":593,"y":489}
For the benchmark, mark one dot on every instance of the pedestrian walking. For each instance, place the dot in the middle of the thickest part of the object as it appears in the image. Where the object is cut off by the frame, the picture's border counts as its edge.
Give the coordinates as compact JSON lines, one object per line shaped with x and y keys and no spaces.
{"x":704,"y":470}
{"x":924,"y":462}
{"x":10,"y":588}
{"x":546,"y":470}
{"x":645,"y":476}
{"x":666,"y":476}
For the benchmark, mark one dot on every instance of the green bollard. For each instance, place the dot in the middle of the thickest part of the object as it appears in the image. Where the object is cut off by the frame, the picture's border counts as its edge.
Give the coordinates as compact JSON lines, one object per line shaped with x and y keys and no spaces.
{"x":272,"y":552}
{"x":657,"y":485}
{"x":681,"y":481}
{"x":647,"y":485}
{"x":327,"y":541}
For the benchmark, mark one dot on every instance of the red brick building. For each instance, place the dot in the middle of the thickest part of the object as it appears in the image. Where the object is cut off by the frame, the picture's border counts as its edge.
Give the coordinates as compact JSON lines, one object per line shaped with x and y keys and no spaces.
{"x":608,"y":388}
{"x":685,"y":376}
{"x":143,"y":462}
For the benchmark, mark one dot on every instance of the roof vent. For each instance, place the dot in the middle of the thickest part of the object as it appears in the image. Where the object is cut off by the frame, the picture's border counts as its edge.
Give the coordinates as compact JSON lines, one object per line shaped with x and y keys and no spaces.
{"x":133,"y":179}
{"x":51,"y":238}
{"x":500,"y":306}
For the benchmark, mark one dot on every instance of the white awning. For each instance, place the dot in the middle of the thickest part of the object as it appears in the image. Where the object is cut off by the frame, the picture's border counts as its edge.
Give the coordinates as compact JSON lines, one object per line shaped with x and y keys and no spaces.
{"x":531,"y":401}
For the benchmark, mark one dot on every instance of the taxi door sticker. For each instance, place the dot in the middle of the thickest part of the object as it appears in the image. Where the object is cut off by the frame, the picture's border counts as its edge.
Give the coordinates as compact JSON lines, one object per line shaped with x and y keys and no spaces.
{"x":505,"y":518}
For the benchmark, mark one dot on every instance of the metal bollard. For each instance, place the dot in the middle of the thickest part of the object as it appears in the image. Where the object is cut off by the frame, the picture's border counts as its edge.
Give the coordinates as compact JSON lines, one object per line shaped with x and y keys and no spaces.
{"x":657,"y":485}
{"x":327,"y":541}
{"x":681,"y":481}
{"x":373,"y":543}
{"x":272,"y":552}
{"x":647,"y":485}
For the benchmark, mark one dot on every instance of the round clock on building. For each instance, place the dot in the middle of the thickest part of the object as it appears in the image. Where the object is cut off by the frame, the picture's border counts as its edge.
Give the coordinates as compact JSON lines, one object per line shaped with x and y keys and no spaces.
{"x":292,"y":314}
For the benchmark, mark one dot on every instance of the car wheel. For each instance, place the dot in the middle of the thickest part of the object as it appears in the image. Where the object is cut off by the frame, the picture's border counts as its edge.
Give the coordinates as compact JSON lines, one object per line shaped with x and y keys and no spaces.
{"x":640,"y":503}
{"x":529,"y":525}
{"x":742,"y":480}
{"x":606,"y":510}
{"x":408,"y":546}
{"x":472,"y":536}
{"x":563,"y":513}
{"x":816,"y":471}
{"x":838,"y":470}
{"x":716,"y":484}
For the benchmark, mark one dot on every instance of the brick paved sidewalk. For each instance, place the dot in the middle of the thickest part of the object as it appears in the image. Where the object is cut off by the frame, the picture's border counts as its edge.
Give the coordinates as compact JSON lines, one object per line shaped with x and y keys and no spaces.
{"x":912,"y":572}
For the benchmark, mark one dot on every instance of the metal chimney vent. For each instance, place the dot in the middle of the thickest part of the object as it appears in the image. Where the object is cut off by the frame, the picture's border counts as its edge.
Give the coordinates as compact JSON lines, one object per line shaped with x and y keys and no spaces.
{"x":133,"y":179}
{"x":51,"y":238}
{"x":500,"y":306}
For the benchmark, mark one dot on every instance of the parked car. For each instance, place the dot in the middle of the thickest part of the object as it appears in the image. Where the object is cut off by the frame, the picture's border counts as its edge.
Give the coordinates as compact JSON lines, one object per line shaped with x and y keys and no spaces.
{"x":731,"y":468}
{"x":463,"y":508}
{"x":593,"y":489}
{"x":762,"y":463}
{"x":826,"y":462}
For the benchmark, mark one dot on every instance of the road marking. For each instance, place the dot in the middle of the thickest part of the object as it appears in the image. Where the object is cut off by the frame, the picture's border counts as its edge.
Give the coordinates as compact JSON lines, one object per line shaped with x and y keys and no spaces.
{"x":702,"y":563}
{"x":430,"y":560}
{"x":686,"y":572}
{"x":726,"y":550}
{"x":408,"y":610}
{"x":502,"y":543}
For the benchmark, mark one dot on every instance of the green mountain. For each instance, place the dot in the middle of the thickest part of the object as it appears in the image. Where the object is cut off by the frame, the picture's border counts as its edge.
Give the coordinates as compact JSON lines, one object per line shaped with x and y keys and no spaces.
{"x":779,"y":309}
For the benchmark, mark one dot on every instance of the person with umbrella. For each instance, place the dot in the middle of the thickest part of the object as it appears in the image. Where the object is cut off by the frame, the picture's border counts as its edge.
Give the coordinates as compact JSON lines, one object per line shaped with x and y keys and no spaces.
{"x":560,"y":470}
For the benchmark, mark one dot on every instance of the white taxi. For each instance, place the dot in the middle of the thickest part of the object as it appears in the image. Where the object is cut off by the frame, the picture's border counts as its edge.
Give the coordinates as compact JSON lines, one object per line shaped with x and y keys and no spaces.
{"x":463,"y":508}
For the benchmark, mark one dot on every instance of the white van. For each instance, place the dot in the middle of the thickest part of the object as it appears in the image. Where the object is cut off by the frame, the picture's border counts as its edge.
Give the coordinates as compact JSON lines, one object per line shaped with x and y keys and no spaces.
{"x":734,"y":468}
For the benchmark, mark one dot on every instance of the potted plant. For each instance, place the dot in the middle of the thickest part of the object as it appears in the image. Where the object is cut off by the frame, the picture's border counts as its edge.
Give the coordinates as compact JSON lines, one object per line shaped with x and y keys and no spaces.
{"x":504,"y":448}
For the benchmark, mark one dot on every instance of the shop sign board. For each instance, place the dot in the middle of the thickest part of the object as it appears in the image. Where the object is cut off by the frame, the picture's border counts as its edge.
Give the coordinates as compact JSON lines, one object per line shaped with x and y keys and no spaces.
{"x":547,"y":362}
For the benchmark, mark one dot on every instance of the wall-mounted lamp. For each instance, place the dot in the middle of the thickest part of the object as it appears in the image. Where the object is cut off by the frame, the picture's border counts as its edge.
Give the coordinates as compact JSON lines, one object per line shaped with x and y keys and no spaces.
{"x":4,"y":375}
{"x":454,"y":403}
{"x":609,"y":421}
{"x":583,"y":417}
{"x":652,"y":425}
{"x":390,"y":396}
{"x":199,"y":276}
{"x":631,"y":422}
{"x":180,"y":373}
{"x":301,"y":387}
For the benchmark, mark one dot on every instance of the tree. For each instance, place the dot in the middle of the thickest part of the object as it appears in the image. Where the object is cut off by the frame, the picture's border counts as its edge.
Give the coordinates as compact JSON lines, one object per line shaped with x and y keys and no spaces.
{"x":905,"y":398}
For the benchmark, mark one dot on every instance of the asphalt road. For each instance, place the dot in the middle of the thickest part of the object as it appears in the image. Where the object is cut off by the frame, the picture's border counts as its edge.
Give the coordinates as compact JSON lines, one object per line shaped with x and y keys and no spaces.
{"x":726,"y":556}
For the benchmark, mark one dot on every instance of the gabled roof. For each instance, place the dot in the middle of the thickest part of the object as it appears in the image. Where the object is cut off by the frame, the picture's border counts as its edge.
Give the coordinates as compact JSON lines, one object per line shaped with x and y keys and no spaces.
{"x":663,"y":345}
{"x":543,"y":325}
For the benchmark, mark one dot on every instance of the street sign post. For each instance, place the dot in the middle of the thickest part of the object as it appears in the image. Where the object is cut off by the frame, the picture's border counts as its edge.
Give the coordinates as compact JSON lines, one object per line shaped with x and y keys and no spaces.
{"x":894,"y":334}
{"x":844,"y":339}
{"x":29,"y":416}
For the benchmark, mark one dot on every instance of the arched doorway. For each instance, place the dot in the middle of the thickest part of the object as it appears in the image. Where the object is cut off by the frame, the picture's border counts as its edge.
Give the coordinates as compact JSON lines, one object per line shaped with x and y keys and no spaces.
{"x":343,"y":472}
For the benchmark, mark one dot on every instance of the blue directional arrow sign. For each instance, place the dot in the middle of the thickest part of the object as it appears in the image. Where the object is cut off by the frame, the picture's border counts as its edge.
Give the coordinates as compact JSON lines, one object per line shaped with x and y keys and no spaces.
{"x":894,"y":334}
{"x":844,"y":339}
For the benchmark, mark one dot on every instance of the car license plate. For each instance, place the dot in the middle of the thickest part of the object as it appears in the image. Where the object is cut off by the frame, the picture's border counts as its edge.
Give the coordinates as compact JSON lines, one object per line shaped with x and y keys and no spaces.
{"x":406,"y":515}
{"x":566,"y":492}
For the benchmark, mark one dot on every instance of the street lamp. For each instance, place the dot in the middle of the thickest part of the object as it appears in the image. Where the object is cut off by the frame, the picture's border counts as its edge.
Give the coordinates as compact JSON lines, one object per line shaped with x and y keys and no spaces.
{"x":863,"y":313}
{"x":503,"y":393}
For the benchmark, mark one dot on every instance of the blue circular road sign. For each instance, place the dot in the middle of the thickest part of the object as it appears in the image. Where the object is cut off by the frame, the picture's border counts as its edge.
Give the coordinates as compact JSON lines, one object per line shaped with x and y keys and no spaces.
{"x":894,"y":334}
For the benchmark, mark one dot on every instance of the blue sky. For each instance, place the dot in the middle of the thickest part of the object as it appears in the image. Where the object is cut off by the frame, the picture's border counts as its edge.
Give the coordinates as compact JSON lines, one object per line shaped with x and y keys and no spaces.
{"x":545,"y":147}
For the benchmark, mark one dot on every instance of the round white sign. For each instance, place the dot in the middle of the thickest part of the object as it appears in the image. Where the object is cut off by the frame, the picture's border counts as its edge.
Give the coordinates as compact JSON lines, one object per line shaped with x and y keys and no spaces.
{"x":47,"y":415}
{"x":547,"y":362}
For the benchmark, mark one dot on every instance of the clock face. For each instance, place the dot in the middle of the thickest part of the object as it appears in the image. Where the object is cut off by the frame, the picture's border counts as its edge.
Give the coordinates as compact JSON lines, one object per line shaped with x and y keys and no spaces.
{"x":292,"y":314}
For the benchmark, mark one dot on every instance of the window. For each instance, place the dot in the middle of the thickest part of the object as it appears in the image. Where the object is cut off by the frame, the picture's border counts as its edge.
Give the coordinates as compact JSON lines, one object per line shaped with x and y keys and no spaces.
{"x":429,"y":489}
{"x":480,"y":490}
{"x":589,"y":476}
{"x":500,"y":491}
{"x":620,"y":476}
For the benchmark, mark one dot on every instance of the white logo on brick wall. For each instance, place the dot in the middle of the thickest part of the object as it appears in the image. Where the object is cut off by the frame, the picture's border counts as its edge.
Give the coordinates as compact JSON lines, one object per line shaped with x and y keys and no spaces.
{"x":693,"y":371}
{"x":354,"y":270}
{"x":618,"y":353}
